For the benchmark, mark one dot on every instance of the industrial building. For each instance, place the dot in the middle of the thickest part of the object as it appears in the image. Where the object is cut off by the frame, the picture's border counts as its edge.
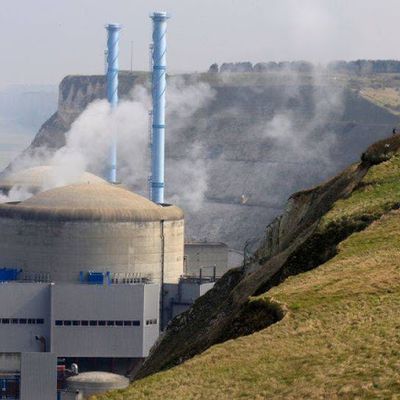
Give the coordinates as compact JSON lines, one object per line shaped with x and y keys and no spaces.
{"x":81,"y":272}
{"x":205,"y":259}
{"x":91,"y":272}
{"x":28,"y":375}
{"x":82,"y":267}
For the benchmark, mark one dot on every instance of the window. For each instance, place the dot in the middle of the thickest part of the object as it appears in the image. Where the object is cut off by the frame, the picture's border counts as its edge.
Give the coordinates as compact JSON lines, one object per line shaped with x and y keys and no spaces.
{"x":151,"y":321}
{"x":21,"y":321}
{"x":95,"y":323}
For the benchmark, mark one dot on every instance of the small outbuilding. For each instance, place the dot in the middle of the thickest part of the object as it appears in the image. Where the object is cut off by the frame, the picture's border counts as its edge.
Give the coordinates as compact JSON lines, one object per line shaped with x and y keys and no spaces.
{"x":95,"y":382}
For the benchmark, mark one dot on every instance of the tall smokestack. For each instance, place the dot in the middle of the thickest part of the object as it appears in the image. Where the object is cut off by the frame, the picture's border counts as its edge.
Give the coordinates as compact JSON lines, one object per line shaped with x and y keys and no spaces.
{"x":158,"y":94}
{"x":112,"y":91}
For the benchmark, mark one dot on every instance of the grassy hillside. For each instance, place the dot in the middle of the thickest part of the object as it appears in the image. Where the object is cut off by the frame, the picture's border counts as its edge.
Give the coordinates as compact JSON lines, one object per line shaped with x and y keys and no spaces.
{"x":339,"y":336}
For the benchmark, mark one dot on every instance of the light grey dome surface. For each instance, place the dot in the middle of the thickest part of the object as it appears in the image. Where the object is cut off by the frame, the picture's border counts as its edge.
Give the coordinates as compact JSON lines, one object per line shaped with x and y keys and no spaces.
{"x":96,"y":382}
{"x":46,"y":176}
{"x":90,"y":202}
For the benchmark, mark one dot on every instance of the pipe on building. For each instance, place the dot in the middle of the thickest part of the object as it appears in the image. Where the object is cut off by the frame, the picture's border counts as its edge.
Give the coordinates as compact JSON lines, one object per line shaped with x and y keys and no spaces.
{"x":112,"y":91}
{"x":43,"y":343}
{"x":158,"y":94}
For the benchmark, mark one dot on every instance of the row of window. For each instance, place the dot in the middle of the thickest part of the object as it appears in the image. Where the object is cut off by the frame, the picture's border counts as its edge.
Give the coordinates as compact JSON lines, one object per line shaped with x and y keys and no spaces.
{"x":96,"y":323}
{"x":40,"y":321}
{"x":22,"y":321}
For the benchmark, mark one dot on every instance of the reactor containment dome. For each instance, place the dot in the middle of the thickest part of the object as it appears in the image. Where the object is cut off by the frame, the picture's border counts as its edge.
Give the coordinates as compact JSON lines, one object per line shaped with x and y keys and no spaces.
{"x":66,"y":232}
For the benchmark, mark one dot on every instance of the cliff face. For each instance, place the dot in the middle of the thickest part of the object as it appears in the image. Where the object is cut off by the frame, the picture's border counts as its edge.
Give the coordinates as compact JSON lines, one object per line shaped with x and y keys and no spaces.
{"x":258,"y":142}
{"x":75,"y":93}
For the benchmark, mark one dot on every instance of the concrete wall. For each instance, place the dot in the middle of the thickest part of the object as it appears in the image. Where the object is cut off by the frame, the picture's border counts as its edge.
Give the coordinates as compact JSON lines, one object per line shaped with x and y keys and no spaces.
{"x":173,"y":250}
{"x":23,"y":301}
{"x":151,"y":312}
{"x":235,"y":258}
{"x":200,"y":255}
{"x":137,"y":306}
{"x":63,"y":249}
{"x":38,"y":376}
{"x":113,"y":303}
{"x":178,"y":298}
{"x":205,"y":287}
{"x":10,"y":362}
{"x":191,"y":291}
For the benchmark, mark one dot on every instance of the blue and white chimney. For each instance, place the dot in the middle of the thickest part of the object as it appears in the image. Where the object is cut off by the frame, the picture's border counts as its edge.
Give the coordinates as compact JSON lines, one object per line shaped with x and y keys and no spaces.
{"x":112,"y":91}
{"x":159,"y":85}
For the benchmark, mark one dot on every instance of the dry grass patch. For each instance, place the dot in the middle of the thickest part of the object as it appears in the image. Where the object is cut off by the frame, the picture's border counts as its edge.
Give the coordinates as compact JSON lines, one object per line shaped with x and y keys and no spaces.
{"x":340,"y":338}
{"x":378,"y":193}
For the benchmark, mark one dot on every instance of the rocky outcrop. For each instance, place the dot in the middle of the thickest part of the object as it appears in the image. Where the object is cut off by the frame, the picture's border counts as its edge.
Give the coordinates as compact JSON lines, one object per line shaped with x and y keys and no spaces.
{"x":302,"y":206}
{"x":75,"y":94}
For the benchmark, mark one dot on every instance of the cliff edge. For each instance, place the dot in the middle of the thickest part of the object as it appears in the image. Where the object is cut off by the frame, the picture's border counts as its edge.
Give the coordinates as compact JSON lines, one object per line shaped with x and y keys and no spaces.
{"x":312,"y":315}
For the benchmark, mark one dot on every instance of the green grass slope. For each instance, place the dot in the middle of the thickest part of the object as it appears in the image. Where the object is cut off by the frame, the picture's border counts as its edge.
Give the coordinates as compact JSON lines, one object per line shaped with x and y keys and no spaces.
{"x":340,"y":332}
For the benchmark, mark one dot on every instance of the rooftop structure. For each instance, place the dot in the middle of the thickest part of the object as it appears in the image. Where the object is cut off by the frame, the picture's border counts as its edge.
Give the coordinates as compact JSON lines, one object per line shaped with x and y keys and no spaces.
{"x":95,"y":382}
{"x":206,"y":259}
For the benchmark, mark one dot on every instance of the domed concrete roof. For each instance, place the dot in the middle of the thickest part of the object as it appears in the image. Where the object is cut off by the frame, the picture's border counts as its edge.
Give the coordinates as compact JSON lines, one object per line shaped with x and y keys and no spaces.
{"x":90,"y":201}
{"x":96,"y":382}
{"x":46,"y":176}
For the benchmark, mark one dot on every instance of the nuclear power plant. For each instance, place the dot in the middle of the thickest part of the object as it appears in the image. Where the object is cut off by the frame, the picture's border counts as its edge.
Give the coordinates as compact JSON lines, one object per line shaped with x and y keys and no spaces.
{"x":90,"y":272}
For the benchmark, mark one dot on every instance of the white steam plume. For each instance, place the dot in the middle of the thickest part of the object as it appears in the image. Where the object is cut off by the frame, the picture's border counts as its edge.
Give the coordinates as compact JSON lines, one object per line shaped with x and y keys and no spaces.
{"x":88,"y":141}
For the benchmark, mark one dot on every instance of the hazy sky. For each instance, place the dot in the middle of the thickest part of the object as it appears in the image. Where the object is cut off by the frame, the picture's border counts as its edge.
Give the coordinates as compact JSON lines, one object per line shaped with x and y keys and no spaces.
{"x":44,"y":40}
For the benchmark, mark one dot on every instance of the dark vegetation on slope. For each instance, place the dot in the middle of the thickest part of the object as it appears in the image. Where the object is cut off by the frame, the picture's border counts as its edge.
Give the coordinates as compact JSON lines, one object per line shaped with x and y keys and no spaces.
{"x":217,"y":316}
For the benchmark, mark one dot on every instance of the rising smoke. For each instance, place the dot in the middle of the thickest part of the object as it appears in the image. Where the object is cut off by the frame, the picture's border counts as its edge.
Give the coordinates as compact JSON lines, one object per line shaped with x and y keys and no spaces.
{"x":267,"y":137}
{"x":290,"y":138}
{"x":88,"y":140}
{"x":229,"y":146}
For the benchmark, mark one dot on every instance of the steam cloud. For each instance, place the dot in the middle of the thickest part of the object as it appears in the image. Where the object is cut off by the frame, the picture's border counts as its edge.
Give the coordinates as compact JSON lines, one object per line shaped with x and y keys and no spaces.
{"x":196,"y":123}
{"x":88,"y":141}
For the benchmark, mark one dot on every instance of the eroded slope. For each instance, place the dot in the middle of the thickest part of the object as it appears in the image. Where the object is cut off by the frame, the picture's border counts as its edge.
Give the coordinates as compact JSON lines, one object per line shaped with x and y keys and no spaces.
{"x":339,"y":337}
